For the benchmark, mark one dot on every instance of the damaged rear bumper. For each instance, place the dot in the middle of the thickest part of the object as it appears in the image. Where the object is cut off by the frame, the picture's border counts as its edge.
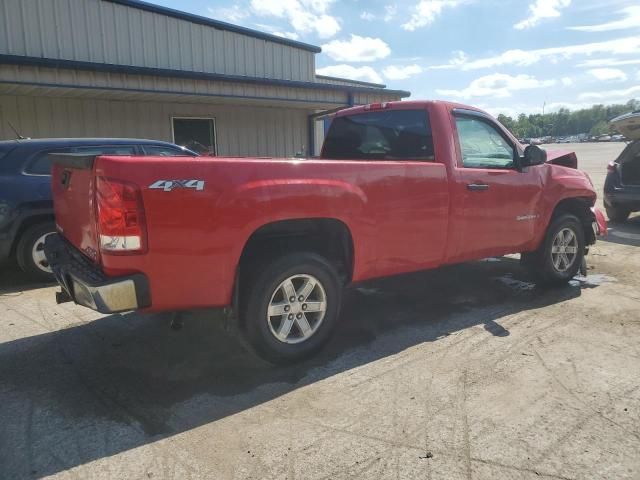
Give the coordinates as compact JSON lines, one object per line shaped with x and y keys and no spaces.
{"x":85,"y":284}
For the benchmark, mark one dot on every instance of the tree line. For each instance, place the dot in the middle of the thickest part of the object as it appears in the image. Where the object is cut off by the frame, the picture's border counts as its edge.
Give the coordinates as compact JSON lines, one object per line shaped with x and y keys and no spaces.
{"x":564,"y":122}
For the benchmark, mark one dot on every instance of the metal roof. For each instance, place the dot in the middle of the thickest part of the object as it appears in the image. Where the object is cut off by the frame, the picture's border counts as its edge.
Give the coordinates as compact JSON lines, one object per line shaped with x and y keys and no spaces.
{"x":190,"y":17}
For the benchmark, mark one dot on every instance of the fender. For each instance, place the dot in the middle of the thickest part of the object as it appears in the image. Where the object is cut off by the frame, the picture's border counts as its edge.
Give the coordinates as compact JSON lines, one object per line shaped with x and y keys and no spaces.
{"x":263,"y":202}
{"x":560,"y":183}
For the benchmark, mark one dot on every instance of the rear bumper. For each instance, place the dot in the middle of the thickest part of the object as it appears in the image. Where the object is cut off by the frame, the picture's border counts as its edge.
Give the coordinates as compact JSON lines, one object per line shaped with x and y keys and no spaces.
{"x":620,"y":197}
{"x":87,"y":285}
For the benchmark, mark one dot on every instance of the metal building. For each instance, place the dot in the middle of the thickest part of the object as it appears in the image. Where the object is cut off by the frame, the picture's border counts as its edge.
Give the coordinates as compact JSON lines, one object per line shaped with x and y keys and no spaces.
{"x":126,"y":68}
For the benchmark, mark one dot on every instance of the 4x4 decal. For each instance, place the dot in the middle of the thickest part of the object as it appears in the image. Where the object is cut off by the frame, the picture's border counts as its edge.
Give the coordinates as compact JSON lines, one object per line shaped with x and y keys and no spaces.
{"x":168,"y":185}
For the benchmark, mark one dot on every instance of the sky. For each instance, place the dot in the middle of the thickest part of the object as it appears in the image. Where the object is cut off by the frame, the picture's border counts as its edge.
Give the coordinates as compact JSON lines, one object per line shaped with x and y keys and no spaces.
{"x":506,"y":56}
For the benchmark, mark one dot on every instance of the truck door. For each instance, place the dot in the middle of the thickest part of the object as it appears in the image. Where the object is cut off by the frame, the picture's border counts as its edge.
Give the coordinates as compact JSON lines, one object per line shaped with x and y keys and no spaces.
{"x":494,"y":204}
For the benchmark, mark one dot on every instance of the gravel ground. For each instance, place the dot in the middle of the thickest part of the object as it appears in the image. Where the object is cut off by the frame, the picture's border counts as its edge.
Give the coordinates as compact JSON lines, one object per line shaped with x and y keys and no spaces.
{"x":464,"y":372}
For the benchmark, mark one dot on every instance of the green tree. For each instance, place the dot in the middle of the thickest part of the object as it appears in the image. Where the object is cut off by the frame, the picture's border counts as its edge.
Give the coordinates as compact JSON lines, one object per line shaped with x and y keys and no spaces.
{"x":599,"y":128}
{"x":565,"y":122}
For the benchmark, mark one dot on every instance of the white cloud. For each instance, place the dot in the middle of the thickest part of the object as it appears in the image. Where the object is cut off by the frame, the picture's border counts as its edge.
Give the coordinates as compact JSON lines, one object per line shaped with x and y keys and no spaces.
{"x":566,"y":81}
{"x":497,"y":85}
{"x":522,"y":58}
{"x":621,"y":96}
{"x":390,"y":12}
{"x":366,"y":74}
{"x":290,"y":35}
{"x":232,"y":14}
{"x":394,"y":72}
{"x":542,"y":9}
{"x":606,"y":74}
{"x":305,"y":16}
{"x":357,"y":49}
{"x":426,"y":11}
{"x":608,"y":62}
{"x":631,"y":20}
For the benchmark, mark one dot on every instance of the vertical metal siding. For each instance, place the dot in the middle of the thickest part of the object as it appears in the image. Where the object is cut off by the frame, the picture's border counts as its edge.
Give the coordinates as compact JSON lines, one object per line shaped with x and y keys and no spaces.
{"x":97,"y":31}
{"x":241,"y":130}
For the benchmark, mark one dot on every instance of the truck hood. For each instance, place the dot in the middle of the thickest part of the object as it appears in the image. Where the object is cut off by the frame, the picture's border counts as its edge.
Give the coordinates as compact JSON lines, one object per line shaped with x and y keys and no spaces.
{"x":565,"y":158}
{"x":628,"y":125}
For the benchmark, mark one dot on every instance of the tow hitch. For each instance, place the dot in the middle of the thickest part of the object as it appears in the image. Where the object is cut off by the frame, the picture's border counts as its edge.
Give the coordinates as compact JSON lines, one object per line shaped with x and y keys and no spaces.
{"x":63,"y":297}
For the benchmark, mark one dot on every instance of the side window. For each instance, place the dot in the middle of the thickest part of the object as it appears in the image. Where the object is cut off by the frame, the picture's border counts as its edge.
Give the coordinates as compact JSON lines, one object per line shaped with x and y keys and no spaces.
{"x":106,"y":150}
{"x":482,"y":145}
{"x":164,"y":151}
{"x":381,"y":135}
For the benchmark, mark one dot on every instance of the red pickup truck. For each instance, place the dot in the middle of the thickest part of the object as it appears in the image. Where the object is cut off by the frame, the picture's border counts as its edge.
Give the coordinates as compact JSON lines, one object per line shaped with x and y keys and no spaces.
{"x":399,"y":187}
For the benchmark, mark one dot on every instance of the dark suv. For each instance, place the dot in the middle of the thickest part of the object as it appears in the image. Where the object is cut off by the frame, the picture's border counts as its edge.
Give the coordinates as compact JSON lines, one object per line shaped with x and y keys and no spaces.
{"x":26,"y":208}
{"x":622,"y":185}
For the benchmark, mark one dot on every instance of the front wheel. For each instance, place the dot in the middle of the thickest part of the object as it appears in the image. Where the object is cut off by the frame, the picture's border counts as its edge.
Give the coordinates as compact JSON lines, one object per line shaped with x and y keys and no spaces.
{"x":290,"y":307}
{"x":560,"y":256}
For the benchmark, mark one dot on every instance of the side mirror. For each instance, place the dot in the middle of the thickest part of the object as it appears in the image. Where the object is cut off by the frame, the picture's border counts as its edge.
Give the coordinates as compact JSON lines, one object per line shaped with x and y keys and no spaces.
{"x":533,"y":155}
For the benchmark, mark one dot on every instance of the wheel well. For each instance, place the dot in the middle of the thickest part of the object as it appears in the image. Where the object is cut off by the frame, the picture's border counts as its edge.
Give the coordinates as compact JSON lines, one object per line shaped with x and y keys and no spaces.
{"x":581,"y":208}
{"x":28,"y":223}
{"x":327,"y":237}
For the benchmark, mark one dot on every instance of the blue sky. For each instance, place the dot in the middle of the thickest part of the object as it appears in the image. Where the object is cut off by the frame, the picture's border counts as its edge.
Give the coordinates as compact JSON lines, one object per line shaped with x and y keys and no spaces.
{"x":506,"y":56}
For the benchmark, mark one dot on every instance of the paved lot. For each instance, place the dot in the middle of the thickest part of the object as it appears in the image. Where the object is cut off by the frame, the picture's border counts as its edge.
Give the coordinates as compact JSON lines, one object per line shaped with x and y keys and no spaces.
{"x":465,"y":372}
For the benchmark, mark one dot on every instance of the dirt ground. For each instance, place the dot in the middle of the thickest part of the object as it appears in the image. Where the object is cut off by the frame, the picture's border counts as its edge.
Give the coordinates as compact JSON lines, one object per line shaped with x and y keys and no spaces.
{"x":466,"y":372}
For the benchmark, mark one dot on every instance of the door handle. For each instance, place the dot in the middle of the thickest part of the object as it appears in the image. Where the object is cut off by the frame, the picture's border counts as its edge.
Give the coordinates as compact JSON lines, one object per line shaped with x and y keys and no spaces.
{"x":477,"y":187}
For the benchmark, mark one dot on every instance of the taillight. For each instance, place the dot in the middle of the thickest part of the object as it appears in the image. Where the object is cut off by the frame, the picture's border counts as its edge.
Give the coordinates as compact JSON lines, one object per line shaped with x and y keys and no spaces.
{"x":121,"y":222}
{"x":612,"y":167}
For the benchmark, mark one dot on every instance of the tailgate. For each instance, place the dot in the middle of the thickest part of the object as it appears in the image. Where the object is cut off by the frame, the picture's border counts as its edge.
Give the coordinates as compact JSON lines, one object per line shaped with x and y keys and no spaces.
{"x":72,"y":183}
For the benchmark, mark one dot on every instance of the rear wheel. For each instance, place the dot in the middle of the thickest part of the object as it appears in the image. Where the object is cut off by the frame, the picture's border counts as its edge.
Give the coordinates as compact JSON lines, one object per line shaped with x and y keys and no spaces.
{"x":30,"y":251}
{"x":291,"y":306}
{"x":559,"y":258}
{"x":617,"y":214}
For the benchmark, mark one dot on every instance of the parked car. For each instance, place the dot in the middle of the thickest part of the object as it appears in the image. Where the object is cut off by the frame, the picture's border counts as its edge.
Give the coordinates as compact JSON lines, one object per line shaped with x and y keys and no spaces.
{"x":603,"y":138}
{"x":622,"y":185}
{"x":399,"y":187}
{"x":26,"y":207}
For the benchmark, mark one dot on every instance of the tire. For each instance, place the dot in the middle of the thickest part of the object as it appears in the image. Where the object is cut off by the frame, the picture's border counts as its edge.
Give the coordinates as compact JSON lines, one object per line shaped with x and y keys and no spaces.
{"x":544,"y":263}
{"x":29,"y":252}
{"x":617,"y":214}
{"x":281,"y":339}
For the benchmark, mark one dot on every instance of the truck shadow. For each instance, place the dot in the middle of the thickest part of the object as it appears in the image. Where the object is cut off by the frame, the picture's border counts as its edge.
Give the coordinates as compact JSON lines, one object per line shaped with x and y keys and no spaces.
{"x":101,"y":388}
{"x":627,"y":233}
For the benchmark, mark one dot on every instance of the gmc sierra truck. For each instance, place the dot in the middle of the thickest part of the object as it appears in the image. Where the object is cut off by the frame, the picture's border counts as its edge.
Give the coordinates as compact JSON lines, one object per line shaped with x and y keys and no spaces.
{"x":399,"y":187}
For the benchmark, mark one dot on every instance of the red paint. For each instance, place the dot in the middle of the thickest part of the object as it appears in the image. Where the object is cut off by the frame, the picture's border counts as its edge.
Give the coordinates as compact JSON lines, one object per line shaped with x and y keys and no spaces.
{"x":403,"y":215}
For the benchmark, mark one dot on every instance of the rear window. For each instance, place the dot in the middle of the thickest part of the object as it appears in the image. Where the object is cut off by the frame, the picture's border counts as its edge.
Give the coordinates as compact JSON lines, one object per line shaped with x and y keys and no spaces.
{"x":381,"y":135}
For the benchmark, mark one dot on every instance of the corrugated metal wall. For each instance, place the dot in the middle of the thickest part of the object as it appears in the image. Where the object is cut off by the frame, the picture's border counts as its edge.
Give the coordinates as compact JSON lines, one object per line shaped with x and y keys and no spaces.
{"x":240,"y":130}
{"x":104,"y":32}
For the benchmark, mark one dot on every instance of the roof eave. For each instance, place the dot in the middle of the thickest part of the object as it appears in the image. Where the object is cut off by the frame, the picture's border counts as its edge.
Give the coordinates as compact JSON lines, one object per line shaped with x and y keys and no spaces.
{"x":165,"y":72}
